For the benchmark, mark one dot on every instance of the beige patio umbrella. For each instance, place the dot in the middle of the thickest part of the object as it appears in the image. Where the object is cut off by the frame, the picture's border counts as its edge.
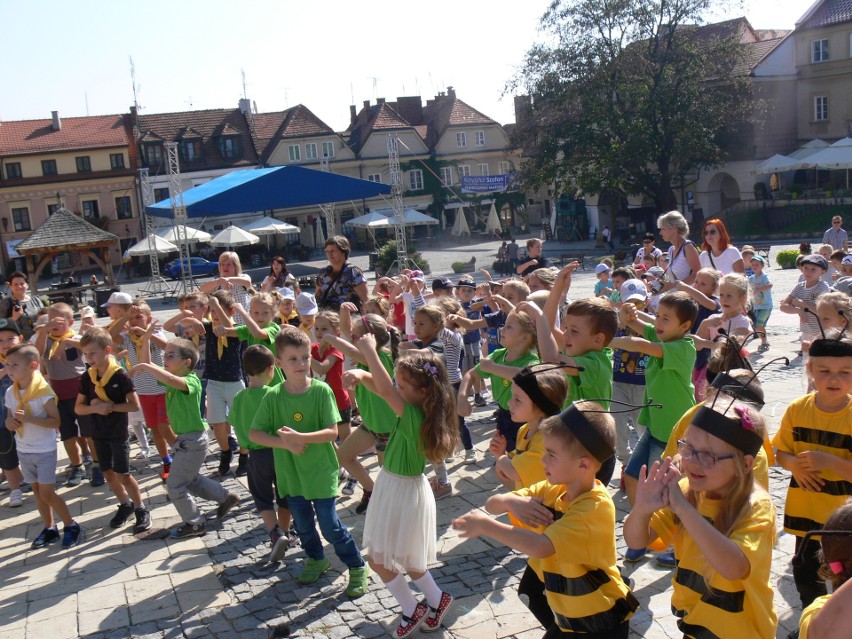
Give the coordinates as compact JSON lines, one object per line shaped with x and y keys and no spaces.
{"x":187,"y":234}
{"x":234,"y":236}
{"x":492,"y":225}
{"x":143,"y":247}
{"x":460,"y":227}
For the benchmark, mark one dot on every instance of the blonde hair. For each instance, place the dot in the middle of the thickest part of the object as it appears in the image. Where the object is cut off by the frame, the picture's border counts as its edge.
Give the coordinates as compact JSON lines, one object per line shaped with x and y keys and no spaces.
{"x":387,"y":335}
{"x":840,"y":302}
{"x":434,"y":312}
{"x":270,"y":298}
{"x":527,"y":325}
{"x":439,"y":430}
{"x":382,"y":303}
{"x":233,"y":258}
{"x":61,"y":308}
{"x":739,"y":283}
{"x":712,"y":273}
{"x":331,"y":317}
{"x":96,"y":337}
{"x":519,"y":285}
{"x":546,"y":276}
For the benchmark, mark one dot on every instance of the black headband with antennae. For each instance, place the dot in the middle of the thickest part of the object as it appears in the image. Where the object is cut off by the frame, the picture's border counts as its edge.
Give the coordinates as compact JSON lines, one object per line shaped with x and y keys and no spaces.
{"x":730,"y":342}
{"x":526,"y":381}
{"x":816,"y":317}
{"x":633,"y":407}
{"x":799,"y":557}
{"x":730,"y":385}
{"x":574,"y":420}
{"x":728,"y":428}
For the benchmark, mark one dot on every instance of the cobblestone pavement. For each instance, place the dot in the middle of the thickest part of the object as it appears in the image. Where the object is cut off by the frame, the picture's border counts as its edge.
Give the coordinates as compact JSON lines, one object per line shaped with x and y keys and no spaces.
{"x":113,"y":585}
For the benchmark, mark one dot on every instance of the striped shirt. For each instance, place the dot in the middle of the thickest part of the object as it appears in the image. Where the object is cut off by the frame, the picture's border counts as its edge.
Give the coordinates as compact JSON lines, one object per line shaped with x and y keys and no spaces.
{"x":145,"y":384}
{"x":836,"y":237}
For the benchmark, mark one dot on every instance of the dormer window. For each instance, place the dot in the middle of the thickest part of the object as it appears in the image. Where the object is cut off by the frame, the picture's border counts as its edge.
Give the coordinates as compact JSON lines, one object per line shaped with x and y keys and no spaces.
{"x":153,"y":154}
{"x":229,"y":147}
{"x":190,"y":149}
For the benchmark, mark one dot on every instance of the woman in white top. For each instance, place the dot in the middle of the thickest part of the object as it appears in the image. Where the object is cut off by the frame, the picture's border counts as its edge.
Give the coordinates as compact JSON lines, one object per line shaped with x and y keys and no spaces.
{"x":718,"y":253}
{"x":683,"y":261}
{"x":647,"y":248}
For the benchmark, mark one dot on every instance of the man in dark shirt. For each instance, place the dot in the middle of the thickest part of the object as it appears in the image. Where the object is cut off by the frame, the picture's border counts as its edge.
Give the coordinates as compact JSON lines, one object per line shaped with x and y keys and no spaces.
{"x":534,"y":260}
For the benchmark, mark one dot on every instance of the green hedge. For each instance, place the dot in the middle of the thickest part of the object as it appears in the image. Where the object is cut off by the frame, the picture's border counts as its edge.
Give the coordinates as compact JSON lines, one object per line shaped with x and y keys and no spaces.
{"x":787,"y":258}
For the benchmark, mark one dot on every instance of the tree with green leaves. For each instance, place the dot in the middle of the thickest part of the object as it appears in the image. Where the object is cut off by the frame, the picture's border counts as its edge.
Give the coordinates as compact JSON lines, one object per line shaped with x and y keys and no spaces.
{"x":630,"y":97}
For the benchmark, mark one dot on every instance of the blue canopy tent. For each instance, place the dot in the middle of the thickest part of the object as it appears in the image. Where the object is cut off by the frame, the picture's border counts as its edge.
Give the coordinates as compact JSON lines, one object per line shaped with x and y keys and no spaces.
{"x":278,"y":187}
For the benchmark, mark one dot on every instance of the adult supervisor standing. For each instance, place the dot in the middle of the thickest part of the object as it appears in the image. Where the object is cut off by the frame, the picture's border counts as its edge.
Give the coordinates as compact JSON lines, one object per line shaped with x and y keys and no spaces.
{"x":836,"y":235}
{"x":21,"y":307}
{"x":534,"y":260}
{"x":340,"y":281}
{"x":683,"y":256}
{"x":718,"y":252}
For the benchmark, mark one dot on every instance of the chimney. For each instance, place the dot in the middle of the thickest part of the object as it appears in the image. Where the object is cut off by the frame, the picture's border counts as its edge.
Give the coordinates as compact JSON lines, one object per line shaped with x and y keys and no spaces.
{"x":380,"y":101}
{"x":411,"y":109}
{"x":56,"y":125}
{"x":366,"y":104}
{"x":523,"y":107}
{"x":451,"y":92}
{"x":245,"y":106}
{"x":353,"y":114}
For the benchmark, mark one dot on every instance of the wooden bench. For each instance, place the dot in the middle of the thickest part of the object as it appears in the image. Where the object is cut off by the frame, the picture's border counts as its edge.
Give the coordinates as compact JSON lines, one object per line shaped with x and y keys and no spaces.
{"x":762,"y":249}
{"x":567,"y":258}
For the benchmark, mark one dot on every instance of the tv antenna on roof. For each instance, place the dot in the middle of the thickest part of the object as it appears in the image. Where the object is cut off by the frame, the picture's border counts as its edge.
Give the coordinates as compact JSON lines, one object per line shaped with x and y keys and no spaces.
{"x":243,"y":73}
{"x":136,"y":88}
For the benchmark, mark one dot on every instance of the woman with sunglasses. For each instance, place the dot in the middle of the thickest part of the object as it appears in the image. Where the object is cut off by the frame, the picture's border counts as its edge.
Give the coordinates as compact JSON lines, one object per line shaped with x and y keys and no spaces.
{"x":647,"y":248}
{"x":717,"y":251}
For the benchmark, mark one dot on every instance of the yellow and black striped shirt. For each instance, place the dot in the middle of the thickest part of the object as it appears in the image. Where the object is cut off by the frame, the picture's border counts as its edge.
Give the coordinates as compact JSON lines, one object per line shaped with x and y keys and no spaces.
{"x":727,"y":608}
{"x":581,"y":581}
{"x":806,"y":427}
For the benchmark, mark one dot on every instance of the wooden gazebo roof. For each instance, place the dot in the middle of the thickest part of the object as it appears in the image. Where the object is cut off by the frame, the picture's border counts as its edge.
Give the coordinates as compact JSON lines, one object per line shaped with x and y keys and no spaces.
{"x":61,"y":232}
{"x":64,"y":231}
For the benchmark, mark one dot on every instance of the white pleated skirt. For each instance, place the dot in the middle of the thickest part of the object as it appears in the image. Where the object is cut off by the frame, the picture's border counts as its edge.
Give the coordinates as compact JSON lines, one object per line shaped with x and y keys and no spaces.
{"x":400,"y":531}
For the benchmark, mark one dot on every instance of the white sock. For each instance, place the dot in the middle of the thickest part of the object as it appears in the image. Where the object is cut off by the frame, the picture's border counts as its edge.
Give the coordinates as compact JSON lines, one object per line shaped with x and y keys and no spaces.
{"x":398,"y":587}
{"x":430,"y":589}
{"x":441,"y":473}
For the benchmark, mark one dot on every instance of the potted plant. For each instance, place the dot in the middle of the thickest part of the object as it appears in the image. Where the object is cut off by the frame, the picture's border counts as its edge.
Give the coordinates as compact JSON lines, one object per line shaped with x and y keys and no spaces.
{"x":787,"y":258}
{"x":464,"y":267}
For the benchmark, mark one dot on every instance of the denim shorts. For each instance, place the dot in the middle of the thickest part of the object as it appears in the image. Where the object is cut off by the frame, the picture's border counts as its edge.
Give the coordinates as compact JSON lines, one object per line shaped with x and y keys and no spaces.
{"x":38,"y":468}
{"x":647,"y":451}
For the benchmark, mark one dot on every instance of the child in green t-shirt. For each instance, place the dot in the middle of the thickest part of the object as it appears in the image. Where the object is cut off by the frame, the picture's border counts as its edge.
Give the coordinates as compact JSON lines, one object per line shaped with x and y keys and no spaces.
{"x":587,"y":329}
{"x":259,"y":327}
{"x":668,"y":376}
{"x":298,"y":419}
{"x":259,"y":367}
{"x":187,"y":434}
{"x":518,"y":341}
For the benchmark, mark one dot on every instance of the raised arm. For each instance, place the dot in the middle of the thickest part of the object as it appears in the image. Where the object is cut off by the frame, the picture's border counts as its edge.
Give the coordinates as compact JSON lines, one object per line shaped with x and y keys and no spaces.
{"x":381,"y":379}
{"x":256,"y":331}
{"x":698,"y":296}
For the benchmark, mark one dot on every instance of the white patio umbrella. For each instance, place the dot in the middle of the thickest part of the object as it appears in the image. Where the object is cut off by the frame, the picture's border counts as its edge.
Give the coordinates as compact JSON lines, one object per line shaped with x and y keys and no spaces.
{"x":372,"y":220}
{"x":808,"y":149}
{"x":234,"y":236}
{"x":460,"y":227}
{"x":836,"y":156}
{"x":320,"y":238}
{"x":780,"y":163}
{"x":410,"y":217}
{"x":492,"y":225}
{"x":269,"y":226}
{"x":161,"y":247}
{"x":187,"y":234}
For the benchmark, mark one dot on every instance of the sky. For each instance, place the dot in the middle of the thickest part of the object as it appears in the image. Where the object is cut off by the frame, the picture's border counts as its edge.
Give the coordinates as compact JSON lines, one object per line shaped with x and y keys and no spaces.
{"x":74,"y":57}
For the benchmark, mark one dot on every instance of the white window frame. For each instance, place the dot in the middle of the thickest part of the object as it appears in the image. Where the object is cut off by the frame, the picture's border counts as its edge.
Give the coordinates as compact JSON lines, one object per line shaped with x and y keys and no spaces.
{"x":820,"y":51}
{"x":505,"y":167}
{"x":310,"y":150}
{"x":447,"y":175}
{"x":375,"y":177}
{"x":328,"y":149}
{"x":461,"y":140}
{"x":820,"y":108}
{"x":415,"y":180}
{"x":480,"y":138}
{"x":464,"y":171}
{"x":483,"y":169}
{"x":294,"y":152}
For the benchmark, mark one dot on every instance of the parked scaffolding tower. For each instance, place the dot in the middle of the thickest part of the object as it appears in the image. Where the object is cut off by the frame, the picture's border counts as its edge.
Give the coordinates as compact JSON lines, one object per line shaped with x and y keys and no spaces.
{"x":186,"y":283}
{"x":402,"y":260}
{"x":156,"y":284}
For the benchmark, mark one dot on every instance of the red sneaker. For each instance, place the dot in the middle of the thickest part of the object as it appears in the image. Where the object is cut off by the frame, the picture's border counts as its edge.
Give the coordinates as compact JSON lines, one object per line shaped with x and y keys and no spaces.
{"x":408,"y":625}
{"x":164,"y":474}
{"x":433,"y":621}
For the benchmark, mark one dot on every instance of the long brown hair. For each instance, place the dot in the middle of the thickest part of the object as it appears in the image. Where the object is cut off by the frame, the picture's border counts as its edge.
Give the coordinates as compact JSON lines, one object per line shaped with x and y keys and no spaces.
{"x":439,"y":431}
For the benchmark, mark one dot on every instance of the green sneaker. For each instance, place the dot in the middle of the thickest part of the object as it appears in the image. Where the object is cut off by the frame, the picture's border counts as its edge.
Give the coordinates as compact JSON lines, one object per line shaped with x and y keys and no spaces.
{"x":359,"y":582}
{"x":313,"y":570}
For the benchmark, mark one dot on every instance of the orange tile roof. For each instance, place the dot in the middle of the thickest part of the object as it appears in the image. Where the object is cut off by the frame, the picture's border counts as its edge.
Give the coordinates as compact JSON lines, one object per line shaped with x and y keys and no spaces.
{"x":297,"y":121}
{"x":21,"y":137}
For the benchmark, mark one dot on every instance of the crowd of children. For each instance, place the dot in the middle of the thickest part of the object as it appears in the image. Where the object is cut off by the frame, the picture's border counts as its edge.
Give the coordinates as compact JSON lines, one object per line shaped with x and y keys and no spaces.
{"x":659,"y":382}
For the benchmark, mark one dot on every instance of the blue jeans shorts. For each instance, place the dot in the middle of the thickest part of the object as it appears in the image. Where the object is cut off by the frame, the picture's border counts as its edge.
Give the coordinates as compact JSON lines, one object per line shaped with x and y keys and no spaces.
{"x":647,"y":451}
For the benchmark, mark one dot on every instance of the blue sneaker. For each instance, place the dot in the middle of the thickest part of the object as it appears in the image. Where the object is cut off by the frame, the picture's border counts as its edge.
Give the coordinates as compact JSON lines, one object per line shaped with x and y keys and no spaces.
{"x":97,"y":477}
{"x":45,"y":537}
{"x":666,"y":560}
{"x":71,"y":535}
{"x":634,"y":554}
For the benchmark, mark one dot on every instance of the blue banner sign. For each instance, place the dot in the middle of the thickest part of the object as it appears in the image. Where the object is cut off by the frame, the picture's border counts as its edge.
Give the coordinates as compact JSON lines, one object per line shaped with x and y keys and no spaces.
{"x":486,"y":183}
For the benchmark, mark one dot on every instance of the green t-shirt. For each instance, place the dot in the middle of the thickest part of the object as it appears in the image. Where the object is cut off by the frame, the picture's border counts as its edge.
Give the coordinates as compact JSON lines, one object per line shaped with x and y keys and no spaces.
{"x":668,"y":380}
{"x":245,"y":407}
{"x":272,"y":330}
{"x":403,"y":455}
{"x":377,"y":415}
{"x":595,"y":382}
{"x":501,"y":388}
{"x":313,"y":474}
{"x":184,"y":407}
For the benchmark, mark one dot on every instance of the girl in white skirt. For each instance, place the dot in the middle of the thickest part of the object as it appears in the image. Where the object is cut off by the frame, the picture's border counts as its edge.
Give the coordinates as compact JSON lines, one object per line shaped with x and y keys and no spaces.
{"x":400,"y":533}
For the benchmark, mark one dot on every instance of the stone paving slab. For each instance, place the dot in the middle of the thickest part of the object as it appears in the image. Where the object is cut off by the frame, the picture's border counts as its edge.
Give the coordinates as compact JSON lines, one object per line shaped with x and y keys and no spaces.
{"x":113,"y":585}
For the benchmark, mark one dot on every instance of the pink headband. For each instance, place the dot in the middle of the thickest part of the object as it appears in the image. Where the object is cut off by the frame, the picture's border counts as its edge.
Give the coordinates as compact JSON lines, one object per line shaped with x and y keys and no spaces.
{"x":366,"y":323}
{"x":836,"y":567}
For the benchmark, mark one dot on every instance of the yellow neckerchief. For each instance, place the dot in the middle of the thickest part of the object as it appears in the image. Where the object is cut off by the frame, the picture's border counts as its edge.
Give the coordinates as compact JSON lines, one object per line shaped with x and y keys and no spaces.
{"x":286,"y":319}
{"x":221,"y":340}
{"x":100,"y":384}
{"x":57,"y":341}
{"x":113,"y":323}
{"x":38,"y":388}
{"x":137,"y":341}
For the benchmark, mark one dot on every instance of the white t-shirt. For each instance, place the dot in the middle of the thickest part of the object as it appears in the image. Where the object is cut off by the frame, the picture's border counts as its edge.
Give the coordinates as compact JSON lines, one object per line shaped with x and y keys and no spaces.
{"x":678,"y":268}
{"x":734,"y":325}
{"x":34,"y":439}
{"x":724,"y":263}
{"x":641,"y":253}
